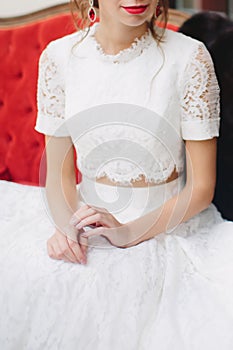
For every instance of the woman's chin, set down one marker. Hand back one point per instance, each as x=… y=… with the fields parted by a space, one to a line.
x=134 y=22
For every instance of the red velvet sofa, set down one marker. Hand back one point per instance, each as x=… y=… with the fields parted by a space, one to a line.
x=22 y=41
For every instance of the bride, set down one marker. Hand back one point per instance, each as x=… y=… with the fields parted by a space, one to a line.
x=135 y=256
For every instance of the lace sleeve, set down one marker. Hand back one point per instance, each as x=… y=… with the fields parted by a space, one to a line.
x=50 y=96
x=200 y=98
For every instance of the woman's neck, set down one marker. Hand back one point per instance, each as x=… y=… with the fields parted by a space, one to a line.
x=116 y=37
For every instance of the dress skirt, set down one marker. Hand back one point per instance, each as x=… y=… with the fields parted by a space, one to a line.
x=172 y=292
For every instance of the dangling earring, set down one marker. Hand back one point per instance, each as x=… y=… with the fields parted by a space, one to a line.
x=91 y=11
x=158 y=10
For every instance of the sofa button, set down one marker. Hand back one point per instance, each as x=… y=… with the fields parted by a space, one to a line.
x=19 y=75
x=35 y=144
x=28 y=109
x=8 y=138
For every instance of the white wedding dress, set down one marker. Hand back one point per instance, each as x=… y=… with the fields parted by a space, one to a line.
x=174 y=291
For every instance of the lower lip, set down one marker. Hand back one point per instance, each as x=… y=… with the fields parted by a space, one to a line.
x=135 y=10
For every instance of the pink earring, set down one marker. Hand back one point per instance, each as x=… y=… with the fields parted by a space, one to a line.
x=91 y=11
x=158 y=10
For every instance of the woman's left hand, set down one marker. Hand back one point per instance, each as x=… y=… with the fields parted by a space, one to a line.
x=106 y=225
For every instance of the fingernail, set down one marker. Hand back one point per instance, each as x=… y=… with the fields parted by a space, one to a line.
x=83 y=262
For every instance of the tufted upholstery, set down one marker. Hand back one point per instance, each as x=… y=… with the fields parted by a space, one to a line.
x=21 y=146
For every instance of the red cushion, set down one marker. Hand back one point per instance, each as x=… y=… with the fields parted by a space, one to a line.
x=21 y=146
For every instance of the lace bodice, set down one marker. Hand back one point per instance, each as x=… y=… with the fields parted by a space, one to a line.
x=128 y=113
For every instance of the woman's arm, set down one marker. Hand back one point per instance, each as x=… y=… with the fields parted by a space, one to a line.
x=196 y=195
x=62 y=198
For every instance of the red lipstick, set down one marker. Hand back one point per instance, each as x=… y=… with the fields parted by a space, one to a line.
x=135 y=10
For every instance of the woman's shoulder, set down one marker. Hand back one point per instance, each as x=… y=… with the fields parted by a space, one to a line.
x=62 y=47
x=180 y=45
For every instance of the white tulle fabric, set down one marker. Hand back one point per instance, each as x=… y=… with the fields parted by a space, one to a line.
x=175 y=79
x=172 y=291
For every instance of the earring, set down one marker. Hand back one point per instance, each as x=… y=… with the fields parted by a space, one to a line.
x=91 y=11
x=158 y=10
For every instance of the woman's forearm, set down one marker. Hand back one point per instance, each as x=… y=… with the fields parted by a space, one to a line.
x=178 y=209
x=62 y=201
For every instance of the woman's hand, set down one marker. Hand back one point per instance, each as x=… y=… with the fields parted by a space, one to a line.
x=117 y=236
x=60 y=247
x=103 y=223
x=92 y=215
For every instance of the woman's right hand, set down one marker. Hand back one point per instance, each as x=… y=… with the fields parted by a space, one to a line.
x=60 y=247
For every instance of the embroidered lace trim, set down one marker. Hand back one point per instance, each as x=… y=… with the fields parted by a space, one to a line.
x=136 y=48
x=201 y=91
x=51 y=93
x=98 y=155
x=127 y=174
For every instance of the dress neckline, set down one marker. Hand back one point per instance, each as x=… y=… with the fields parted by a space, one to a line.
x=138 y=46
